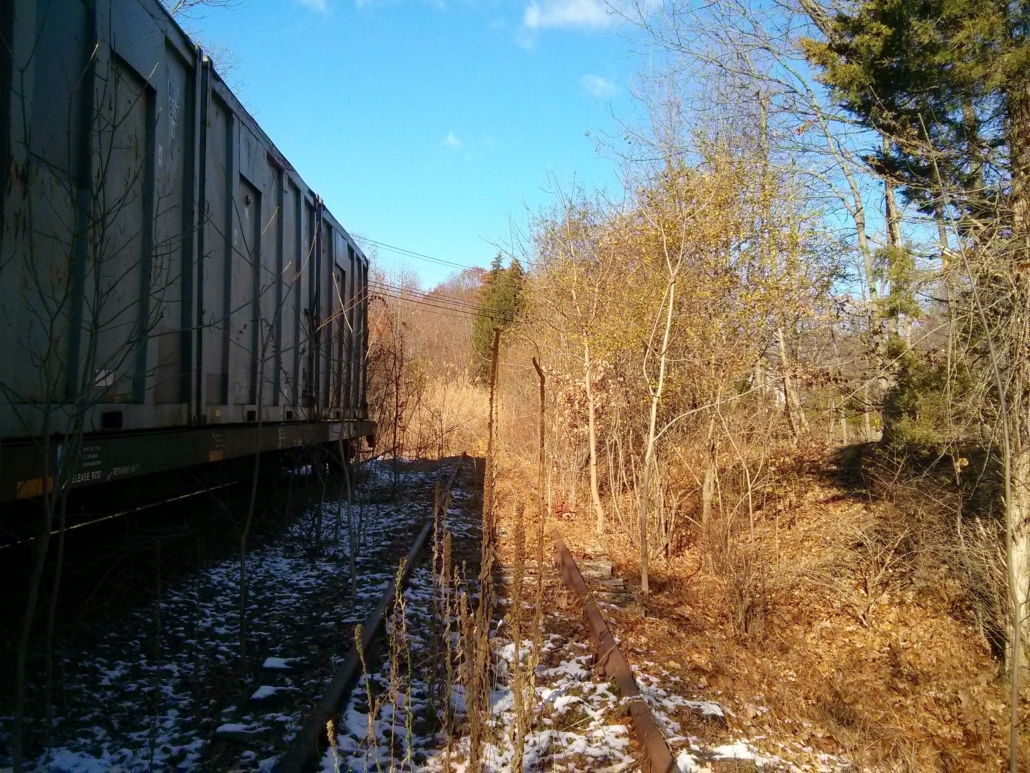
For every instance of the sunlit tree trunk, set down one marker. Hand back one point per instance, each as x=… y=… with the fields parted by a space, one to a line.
x=595 y=493
x=708 y=485
x=792 y=400
x=652 y=425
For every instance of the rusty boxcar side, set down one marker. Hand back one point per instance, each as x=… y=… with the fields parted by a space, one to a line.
x=167 y=279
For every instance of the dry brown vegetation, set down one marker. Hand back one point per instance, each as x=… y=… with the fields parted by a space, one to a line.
x=839 y=627
x=846 y=600
x=421 y=391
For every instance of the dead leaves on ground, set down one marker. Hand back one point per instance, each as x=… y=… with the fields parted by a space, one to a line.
x=903 y=686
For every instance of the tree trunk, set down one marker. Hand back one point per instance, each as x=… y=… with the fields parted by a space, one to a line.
x=542 y=450
x=35 y=578
x=1018 y=334
x=595 y=494
x=792 y=400
x=893 y=215
x=792 y=403
x=708 y=486
x=351 y=550
x=649 y=453
x=246 y=524
x=396 y=414
x=867 y=425
x=54 y=596
x=156 y=686
x=1018 y=512
x=488 y=477
x=899 y=324
x=1020 y=547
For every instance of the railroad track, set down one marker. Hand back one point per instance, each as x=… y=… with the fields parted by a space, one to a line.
x=313 y=740
x=293 y=672
x=593 y=584
x=165 y=690
x=614 y=665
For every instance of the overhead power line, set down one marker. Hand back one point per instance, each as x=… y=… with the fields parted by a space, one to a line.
x=419 y=302
x=442 y=310
x=436 y=310
x=432 y=303
x=428 y=295
x=410 y=253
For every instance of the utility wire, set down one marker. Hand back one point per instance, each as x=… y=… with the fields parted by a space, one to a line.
x=410 y=253
x=438 y=312
x=429 y=296
x=450 y=310
x=420 y=295
x=443 y=310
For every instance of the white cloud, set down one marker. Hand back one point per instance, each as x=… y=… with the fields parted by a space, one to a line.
x=566 y=13
x=598 y=86
x=315 y=5
x=452 y=141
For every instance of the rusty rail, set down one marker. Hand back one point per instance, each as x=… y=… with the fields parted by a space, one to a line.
x=610 y=658
x=312 y=740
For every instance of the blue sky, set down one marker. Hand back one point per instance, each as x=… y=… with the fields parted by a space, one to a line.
x=432 y=126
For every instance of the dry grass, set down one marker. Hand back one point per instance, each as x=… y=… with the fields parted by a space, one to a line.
x=849 y=619
x=448 y=418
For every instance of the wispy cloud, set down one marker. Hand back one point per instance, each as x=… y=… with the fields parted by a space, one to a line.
x=598 y=86
x=315 y=5
x=549 y=14
x=451 y=141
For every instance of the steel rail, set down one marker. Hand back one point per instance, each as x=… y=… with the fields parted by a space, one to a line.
x=312 y=739
x=610 y=658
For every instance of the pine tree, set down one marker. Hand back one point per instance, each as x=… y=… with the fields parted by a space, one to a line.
x=944 y=81
x=499 y=308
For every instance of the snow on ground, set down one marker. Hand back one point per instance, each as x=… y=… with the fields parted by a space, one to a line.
x=579 y=722
x=129 y=707
x=128 y=704
x=662 y=693
x=387 y=722
x=393 y=733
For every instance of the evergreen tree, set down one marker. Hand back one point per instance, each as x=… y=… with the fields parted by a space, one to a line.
x=499 y=307
x=944 y=81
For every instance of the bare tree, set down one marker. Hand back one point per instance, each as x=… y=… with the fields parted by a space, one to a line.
x=728 y=56
x=187 y=8
x=576 y=271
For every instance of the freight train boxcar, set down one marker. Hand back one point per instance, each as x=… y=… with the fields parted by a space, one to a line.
x=167 y=280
